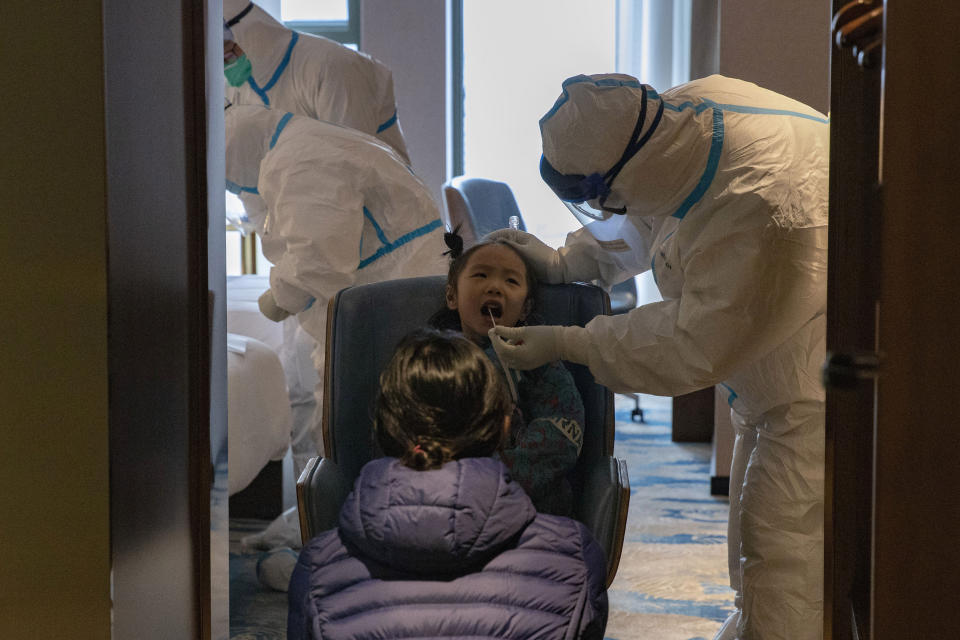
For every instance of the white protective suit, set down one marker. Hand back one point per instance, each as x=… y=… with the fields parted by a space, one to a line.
x=340 y=208
x=727 y=202
x=312 y=76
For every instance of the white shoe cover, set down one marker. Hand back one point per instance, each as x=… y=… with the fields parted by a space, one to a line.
x=275 y=567
x=284 y=531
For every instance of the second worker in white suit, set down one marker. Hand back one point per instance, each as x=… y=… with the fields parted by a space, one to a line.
x=719 y=187
x=270 y=65
x=308 y=75
x=340 y=208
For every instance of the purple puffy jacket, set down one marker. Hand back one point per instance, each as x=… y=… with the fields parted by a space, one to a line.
x=452 y=553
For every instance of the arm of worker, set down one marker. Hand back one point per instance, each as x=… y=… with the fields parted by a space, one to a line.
x=583 y=258
x=359 y=94
x=317 y=212
x=740 y=299
x=549 y=264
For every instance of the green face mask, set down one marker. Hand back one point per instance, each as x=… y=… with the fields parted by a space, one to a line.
x=238 y=71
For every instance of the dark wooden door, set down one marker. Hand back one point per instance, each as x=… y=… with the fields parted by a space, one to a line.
x=852 y=297
x=893 y=436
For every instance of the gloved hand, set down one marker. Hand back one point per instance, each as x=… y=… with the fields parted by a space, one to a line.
x=542 y=257
x=569 y=264
x=269 y=307
x=532 y=347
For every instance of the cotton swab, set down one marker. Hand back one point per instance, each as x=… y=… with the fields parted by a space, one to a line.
x=506 y=369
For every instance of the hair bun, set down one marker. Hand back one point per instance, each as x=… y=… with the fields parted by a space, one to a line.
x=427 y=454
x=454 y=241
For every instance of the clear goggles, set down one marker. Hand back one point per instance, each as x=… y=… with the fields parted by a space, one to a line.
x=585 y=195
x=586 y=212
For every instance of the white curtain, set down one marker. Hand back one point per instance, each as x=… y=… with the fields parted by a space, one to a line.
x=653 y=45
x=653 y=41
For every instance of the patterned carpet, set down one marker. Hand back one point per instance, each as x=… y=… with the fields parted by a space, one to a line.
x=672 y=582
x=672 y=579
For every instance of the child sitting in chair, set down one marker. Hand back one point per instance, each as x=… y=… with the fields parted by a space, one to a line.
x=436 y=540
x=491 y=283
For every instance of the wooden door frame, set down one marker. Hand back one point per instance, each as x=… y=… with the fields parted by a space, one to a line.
x=916 y=558
x=160 y=319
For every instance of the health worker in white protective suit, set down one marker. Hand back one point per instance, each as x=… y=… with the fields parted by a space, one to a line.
x=267 y=64
x=719 y=187
x=340 y=208
x=270 y=65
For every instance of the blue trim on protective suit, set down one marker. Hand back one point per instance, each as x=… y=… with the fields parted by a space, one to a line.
x=280 y=126
x=605 y=82
x=376 y=227
x=716 y=144
x=697 y=108
x=713 y=161
x=733 y=394
x=402 y=240
x=736 y=108
x=233 y=187
x=276 y=74
x=392 y=120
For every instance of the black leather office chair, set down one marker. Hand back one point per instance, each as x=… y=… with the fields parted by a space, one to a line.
x=359 y=346
x=480 y=205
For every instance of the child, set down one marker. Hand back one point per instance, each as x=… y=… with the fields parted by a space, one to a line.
x=436 y=540
x=488 y=283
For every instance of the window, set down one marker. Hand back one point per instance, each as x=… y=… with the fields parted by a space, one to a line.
x=334 y=19
x=515 y=57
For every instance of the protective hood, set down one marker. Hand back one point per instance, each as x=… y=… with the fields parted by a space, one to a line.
x=262 y=38
x=250 y=133
x=441 y=522
x=598 y=118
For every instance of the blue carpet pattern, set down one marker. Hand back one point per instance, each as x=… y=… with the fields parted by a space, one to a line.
x=256 y=612
x=672 y=580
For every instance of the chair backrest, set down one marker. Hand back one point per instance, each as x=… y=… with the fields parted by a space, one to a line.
x=366 y=322
x=479 y=206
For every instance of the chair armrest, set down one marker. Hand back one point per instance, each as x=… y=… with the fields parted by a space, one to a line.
x=602 y=506
x=321 y=491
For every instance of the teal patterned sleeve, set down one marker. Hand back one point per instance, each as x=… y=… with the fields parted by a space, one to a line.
x=546 y=436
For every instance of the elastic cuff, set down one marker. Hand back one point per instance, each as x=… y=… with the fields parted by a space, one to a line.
x=575 y=345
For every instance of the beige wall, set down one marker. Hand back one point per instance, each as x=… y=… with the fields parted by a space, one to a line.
x=413 y=43
x=54 y=483
x=783 y=46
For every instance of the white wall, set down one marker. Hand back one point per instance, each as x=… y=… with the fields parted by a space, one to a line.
x=410 y=38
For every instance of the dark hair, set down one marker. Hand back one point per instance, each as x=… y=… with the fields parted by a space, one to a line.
x=447 y=318
x=440 y=399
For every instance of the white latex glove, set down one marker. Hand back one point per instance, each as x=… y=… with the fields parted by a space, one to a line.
x=270 y=308
x=532 y=347
x=544 y=259
x=568 y=264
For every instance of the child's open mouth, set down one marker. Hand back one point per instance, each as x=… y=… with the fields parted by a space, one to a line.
x=492 y=309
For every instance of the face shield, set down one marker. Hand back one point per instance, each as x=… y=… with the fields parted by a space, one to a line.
x=591 y=211
x=586 y=196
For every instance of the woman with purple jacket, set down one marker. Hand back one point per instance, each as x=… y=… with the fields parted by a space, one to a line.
x=436 y=539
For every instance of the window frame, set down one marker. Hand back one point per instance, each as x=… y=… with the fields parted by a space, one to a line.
x=343 y=31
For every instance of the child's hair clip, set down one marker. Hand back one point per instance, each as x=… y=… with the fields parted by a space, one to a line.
x=454 y=241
